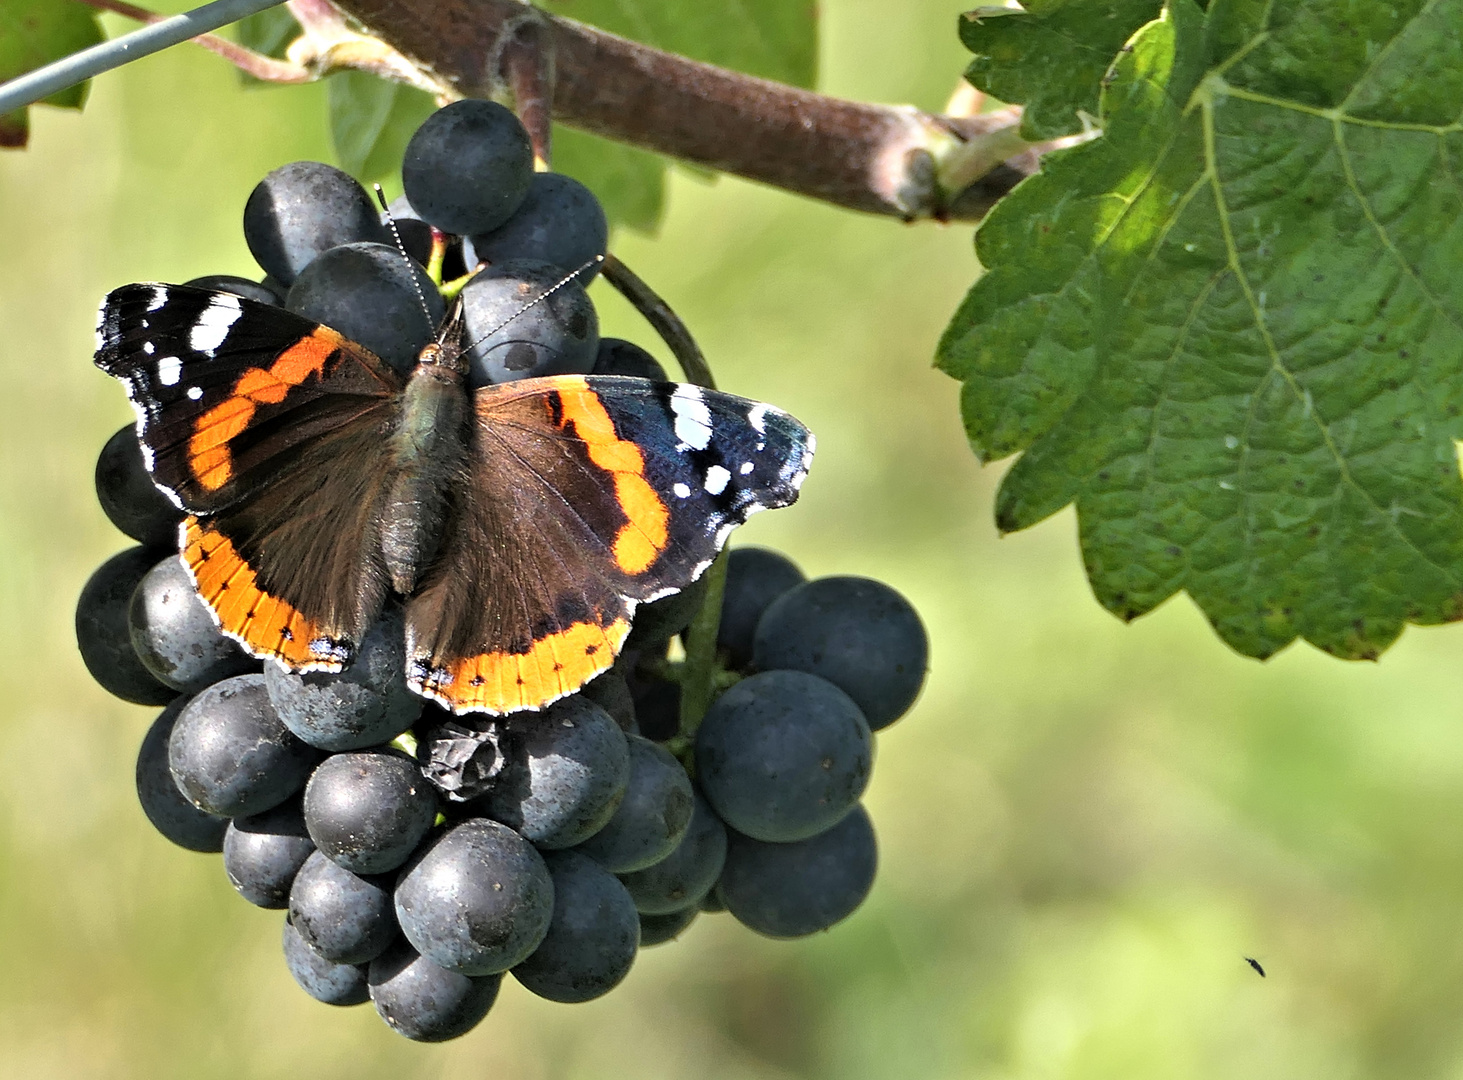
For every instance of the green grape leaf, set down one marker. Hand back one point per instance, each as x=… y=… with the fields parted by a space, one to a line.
x=371 y=121
x=1051 y=57
x=34 y=33
x=1231 y=329
x=776 y=39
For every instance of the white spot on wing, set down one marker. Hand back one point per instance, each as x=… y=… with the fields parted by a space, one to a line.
x=682 y=491
x=758 y=417
x=717 y=479
x=159 y=298
x=693 y=418
x=148 y=348
x=169 y=368
x=194 y=393
x=746 y=468
x=212 y=327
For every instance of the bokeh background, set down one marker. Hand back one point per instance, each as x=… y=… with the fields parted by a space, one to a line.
x=1084 y=826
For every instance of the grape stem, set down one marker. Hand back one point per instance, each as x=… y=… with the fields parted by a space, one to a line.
x=527 y=62
x=700 y=671
x=891 y=160
x=663 y=318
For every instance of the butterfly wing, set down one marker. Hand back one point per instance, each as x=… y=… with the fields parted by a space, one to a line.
x=272 y=431
x=294 y=571
x=588 y=496
x=227 y=389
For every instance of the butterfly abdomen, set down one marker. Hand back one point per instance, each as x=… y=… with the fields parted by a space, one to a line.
x=428 y=453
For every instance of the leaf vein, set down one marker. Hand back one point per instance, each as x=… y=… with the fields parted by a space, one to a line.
x=1277 y=364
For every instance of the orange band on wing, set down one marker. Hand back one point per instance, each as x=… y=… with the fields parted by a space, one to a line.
x=266 y=625
x=208 y=449
x=643 y=537
x=505 y=682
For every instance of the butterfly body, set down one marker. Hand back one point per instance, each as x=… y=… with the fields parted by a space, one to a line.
x=519 y=524
x=429 y=451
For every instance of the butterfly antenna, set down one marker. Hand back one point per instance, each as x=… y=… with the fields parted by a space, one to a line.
x=396 y=235
x=539 y=299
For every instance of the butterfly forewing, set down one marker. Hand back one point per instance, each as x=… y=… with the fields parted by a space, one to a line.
x=226 y=389
x=588 y=495
x=273 y=429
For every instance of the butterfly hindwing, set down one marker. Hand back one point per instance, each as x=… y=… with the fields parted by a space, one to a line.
x=588 y=496
x=227 y=389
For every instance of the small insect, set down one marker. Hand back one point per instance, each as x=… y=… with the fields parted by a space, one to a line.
x=1256 y=965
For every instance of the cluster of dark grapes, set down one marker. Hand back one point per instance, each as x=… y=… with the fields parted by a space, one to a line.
x=421 y=854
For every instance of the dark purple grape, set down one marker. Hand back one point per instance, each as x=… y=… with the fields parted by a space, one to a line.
x=617 y=356
x=367 y=704
x=101 y=630
x=657 y=708
x=130 y=499
x=468 y=167
x=859 y=634
x=592 y=938
x=416 y=238
x=611 y=693
x=334 y=984
x=478 y=900
x=346 y=918
x=559 y=221
x=422 y=1001
x=782 y=755
x=239 y=286
x=367 y=811
x=175 y=635
x=365 y=292
x=416 y=234
x=653 y=815
x=303 y=209
x=754 y=578
x=170 y=813
x=510 y=341
x=230 y=754
x=658 y=929
x=564 y=773
x=688 y=872
x=790 y=890
x=264 y=852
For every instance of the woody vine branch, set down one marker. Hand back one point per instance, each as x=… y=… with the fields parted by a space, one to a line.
x=891 y=160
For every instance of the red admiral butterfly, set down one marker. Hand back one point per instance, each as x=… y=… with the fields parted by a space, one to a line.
x=520 y=523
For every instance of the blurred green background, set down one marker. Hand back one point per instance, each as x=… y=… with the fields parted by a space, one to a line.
x=1084 y=827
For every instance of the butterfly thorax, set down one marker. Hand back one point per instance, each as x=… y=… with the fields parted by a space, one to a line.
x=429 y=449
